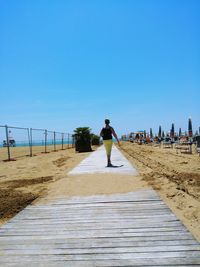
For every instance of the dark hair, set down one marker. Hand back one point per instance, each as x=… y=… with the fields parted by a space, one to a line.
x=107 y=121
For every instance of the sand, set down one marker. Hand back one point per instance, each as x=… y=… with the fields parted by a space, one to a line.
x=176 y=177
x=28 y=178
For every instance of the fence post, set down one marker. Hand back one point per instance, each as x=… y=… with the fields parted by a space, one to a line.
x=68 y=139
x=7 y=140
x=190 y=148
x=73 y=141
x=45 y=141
x=30 y=137
x=62 y=140
x=54 y=140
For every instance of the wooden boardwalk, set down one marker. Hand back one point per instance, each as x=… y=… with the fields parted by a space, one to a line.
x=133 y=229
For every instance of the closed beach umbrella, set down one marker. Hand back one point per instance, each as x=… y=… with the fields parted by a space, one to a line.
x=190 y=127
x=159 y=132
x=151 y=133
x=145 y=134
x=179 y=134
x=172 y=131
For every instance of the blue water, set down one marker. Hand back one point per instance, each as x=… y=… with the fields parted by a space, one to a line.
x=39 y=143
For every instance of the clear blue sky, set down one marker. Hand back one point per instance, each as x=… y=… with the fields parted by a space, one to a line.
x=65 y=64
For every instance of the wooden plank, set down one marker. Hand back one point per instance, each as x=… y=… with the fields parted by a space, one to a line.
x=94 y=230
x=99 y=206
x=64 y=221
x=60 y=208
x=45 y=221
x=79 y=200
x=103 y=240
x=99 y=212
x=50 y=229
x=66 y=217
x=96 y=214
x=64 y=230
x=134 y=217
x=97 y=264
x=100 y=250
x=131 y=227
x=114 y=263
x=96 y=226
x=163 y=211
x=143 y=218
x=92 y=234
x=194 y=256
x=110 y=243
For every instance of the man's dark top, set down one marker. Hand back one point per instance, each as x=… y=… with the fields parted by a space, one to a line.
x=107 y=133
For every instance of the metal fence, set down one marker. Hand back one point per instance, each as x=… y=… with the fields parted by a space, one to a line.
x=18 y=142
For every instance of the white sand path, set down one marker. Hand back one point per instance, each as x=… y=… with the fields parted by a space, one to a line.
x=96 y=163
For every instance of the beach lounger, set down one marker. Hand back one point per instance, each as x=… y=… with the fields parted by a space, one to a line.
x=198 y=144
x=184 y=147
x=167 y=144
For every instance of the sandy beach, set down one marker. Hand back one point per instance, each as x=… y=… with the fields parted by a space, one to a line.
x=176 y=178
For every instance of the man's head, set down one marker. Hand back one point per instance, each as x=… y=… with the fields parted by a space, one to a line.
x=107 y=121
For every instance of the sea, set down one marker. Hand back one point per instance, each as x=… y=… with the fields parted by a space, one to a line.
x=38 y=143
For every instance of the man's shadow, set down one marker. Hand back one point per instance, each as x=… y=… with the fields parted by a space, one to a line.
x=115 y=166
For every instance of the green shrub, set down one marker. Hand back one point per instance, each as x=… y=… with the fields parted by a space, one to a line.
x=95 y=140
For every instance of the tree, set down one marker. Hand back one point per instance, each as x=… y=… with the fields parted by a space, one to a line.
x=82 y=139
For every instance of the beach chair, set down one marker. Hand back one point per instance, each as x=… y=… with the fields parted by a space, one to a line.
x=198 y=144
x=167 y=143
x=184 y=147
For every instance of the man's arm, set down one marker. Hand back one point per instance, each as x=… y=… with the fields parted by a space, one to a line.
x=101 y=133
x=115 y=135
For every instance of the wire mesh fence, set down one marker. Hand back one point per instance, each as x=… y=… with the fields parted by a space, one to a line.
x=18 y=142
x=3 y=148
